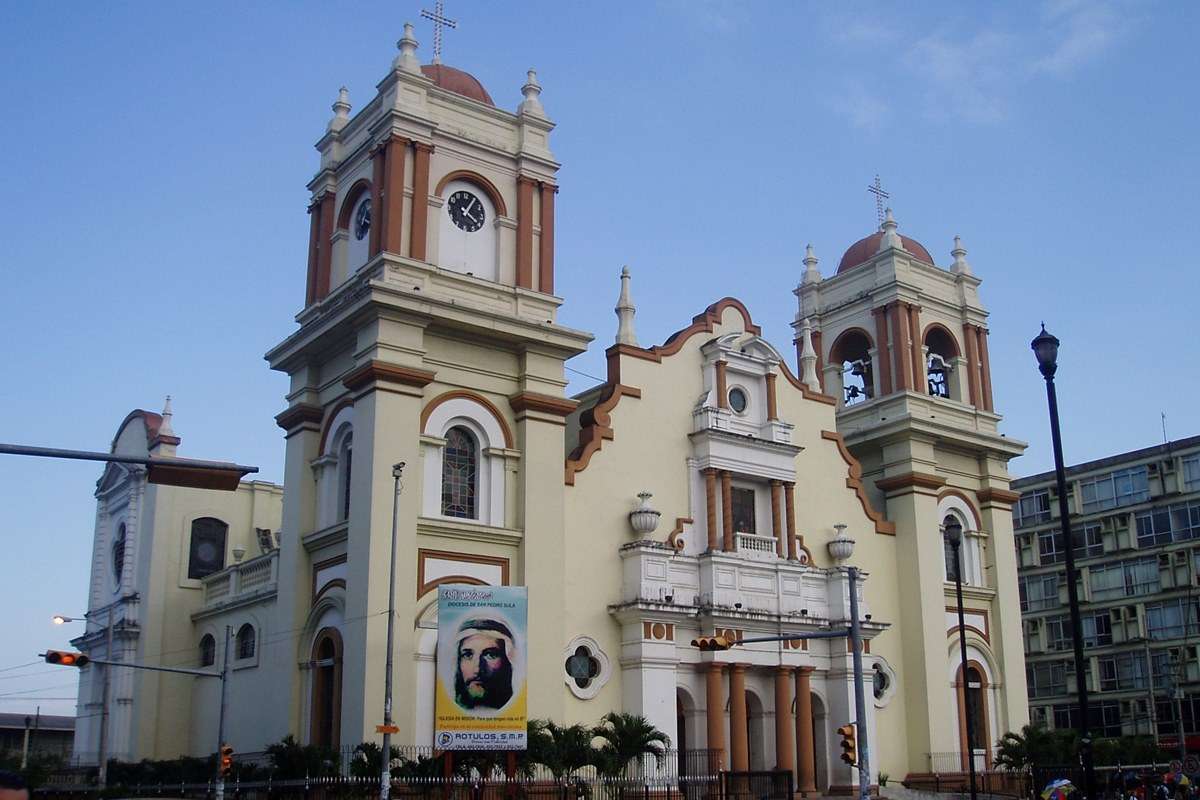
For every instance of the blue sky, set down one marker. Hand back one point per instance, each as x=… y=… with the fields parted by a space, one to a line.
x=154 y=234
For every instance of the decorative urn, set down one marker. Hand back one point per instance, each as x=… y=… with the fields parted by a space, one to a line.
x=841 y=547
x=644 y=519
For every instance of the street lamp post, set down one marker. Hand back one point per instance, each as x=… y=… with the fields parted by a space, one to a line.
x=385 y=777
x=1045 y=347
x=954 y=535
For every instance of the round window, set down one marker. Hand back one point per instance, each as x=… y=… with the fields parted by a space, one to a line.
x=737 y=400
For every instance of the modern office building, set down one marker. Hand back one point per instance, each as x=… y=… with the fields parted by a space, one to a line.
x=1136 y=522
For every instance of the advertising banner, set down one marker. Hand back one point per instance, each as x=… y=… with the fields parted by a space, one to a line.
x=481 y=658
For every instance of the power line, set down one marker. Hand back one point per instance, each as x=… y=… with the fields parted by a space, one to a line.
x=19 y=666
x=584 y=374
x=39 y=689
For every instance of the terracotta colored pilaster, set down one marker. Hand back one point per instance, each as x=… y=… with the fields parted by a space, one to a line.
x=806 y=756
x=785 y=743
x=525 y=232
x=985 y=370
x=727 y=543
x=972 y=365
x=325 y=246
x=918 y=354
x=900 y=348
x=314 y=232
x=772 y=403
x=722 y=386
x=714 y=714
x=546 y=243
x=393 y=195
x=739 y=747
x=710 y=503
x=420 y=207
x=378 y=173
x=777 y=518
x=789 y=498
x=881 y=347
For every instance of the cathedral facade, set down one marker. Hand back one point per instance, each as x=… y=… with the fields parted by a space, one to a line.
x=712 y=483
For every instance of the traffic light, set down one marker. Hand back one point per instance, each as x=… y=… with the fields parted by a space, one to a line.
x=712 y=643
x=65 y=658
x=226 y=759
x=849 y=743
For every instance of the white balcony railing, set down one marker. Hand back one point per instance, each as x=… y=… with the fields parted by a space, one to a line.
x=756 y=546
x=236 y=580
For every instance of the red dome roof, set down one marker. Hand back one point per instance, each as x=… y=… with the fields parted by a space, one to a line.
x=457 y=81
x=864 y=249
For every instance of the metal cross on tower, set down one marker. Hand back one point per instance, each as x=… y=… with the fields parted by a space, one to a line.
x=439 y=19
x=880 y=195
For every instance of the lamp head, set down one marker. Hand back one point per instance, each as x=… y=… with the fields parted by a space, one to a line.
x=59 y=619
x=953 y=530
x=1045 y=347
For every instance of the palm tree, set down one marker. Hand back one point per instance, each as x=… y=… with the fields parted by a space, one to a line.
x=562 y=750
x=625 y=738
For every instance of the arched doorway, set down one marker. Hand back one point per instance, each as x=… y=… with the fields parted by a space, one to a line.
x=820 y=743
x=756 y=727
x=973 y=696
x=325 y=729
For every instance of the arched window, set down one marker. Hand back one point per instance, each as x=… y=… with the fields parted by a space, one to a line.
x=345 y=456
x=467 y=230
x=352 y=239
x=852 y=353
x=118 y=555
x=460 y=468
x=941 y=354
x=326 y=689
x=206 y=554
x=208 y=650
x=246 y=641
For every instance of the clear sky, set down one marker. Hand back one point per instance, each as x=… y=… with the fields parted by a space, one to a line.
x=154 y=233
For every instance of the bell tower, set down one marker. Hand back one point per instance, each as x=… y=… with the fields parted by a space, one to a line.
x=901 y=343
x=428 y=338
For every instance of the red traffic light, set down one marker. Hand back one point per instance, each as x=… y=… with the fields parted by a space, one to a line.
x=226 y=757
x=65 y=658
x=712 y=643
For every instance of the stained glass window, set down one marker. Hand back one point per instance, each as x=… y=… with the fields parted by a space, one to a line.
x=460 y=467
x=118 y=555
x=207 y=552
x=743 y=510
x=582 y=667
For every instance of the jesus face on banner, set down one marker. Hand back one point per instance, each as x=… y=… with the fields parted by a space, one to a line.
x=483 y=677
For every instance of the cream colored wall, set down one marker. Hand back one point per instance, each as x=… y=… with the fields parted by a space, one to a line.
x=163 y=700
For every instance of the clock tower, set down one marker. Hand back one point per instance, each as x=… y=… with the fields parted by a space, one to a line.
x=428 y=338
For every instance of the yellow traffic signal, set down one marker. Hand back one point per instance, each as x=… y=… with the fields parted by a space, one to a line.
x=65 y=658
x=849 y=736
x=226 y=759
x=712 y=643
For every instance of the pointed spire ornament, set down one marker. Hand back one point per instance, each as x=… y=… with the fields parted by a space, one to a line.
x=341 y=110
x=811 y=273
x=625 y=312
x=532 y=103
x=808 y=358
x=165 y=428
x=960 y=265
x=890 y=237
x=407 y=61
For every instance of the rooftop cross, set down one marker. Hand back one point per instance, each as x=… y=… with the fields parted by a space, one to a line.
x=880 y=195
x=438 y=17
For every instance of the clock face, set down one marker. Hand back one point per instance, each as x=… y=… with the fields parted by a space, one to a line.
x=362 y=219
x=466 y=211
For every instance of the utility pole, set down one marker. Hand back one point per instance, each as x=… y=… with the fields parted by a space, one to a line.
x=385 y=775
x=860 y=702
x=25 y=744
x=220 y=786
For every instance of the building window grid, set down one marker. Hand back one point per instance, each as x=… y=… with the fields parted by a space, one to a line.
x=1105 y=717
x=1191 y=472
x=1126 y=578
x=1165 y=709
x=1176 y=523
x=1052 y=547
x=1046 y=678
x=1166 y=620
x=1122 y=671
x=1115 y=489
x=1032 y=508
x=1039 y=592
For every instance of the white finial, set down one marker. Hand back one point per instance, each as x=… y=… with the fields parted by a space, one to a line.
x=625 y=312
x=532 y=104
x=165 y=428
x=960 y=266
x=341 y=110
x=811 y=273
x=407 y=60
x=808 y=358
x=890 y=237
